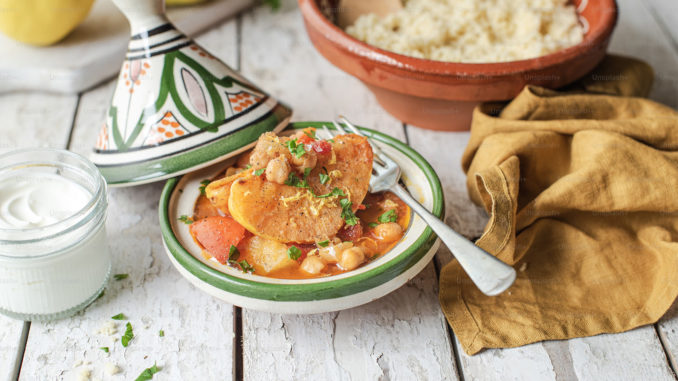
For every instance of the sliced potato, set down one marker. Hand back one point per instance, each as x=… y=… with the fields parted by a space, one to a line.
x=269 y=255
x=289 y=214
x=217 y=191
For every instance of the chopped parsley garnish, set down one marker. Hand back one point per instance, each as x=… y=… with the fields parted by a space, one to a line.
x=120 y=276
x=203 y=185
x=346 y=212
x=148 y=373
x=259 y=172
x=161 y=333
x=119 y=317
x=295 y=181
x=324 y=243
x=105 y=349
x=307 y=171
x=373 y=224
x=330 y=140
x=233 y=253
x=128 y=336
x=294 y=253
x=296 y=149
x=248 y=166
x=246 y=267
x=324 y=178
x=186 y=219
x=388 y=216
x=334 y=192
x=310 y=134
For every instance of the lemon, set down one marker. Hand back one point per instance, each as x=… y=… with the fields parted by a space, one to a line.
x=41 y=22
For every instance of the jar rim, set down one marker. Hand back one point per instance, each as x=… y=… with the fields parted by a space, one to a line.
x=72 y=222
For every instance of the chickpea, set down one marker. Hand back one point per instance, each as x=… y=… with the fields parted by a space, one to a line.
x=313 y=264
x=351 y=258
x=309 y=160
x=368 y=246
x=389 y=231
x=278 y=170
x=332 y=253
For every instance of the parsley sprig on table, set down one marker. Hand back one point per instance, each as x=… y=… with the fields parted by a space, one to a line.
x=128 y=336
x=148 y=373
x=274 y=4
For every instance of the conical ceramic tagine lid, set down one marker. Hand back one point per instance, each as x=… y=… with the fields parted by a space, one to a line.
x=176 y=108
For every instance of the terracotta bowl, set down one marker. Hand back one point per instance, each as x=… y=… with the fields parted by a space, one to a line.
x=441 y=95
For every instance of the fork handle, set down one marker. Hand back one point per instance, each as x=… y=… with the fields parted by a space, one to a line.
x=489 y=274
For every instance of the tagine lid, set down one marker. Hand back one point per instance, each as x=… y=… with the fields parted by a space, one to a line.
x=176 y=108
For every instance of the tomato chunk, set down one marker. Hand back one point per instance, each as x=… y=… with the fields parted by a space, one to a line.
x=304 y=139
x=322 y=147
x=217 y=234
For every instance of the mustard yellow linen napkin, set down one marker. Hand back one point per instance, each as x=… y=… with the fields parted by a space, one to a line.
x=582 y=191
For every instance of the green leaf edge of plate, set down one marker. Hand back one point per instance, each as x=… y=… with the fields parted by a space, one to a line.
x=149 y=169
x=312 y=291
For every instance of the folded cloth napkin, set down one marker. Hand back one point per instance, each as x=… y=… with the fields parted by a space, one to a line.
x=582 y=191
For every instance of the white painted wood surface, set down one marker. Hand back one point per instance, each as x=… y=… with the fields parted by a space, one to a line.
x=198 y=341
x=96 y=48
x=632 y=355
x=29 y=120
x=402 y=336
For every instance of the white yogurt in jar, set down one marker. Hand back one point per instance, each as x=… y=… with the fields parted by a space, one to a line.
x=36 y=201
x=54 y=256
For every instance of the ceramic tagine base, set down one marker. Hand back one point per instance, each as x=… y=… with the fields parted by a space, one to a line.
x=176 y=108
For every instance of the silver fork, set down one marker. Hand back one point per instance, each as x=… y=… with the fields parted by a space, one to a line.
x=489 y=274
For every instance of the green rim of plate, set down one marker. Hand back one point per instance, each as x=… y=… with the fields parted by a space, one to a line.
x=310 y=291
x=147 y=170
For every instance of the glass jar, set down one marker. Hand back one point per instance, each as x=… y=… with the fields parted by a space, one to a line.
x=52 y=269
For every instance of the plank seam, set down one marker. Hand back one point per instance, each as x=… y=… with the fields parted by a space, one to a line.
x=75 y=116
x=669 y=358
x=27 y=324
x=437 y=266
x=22 y=350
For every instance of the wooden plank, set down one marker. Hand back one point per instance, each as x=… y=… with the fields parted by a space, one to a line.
x=29 y=120
x=649 y=30
x=668 y=333
x=639 y=35
x=664 y=12
x=401 y=336
x=198 y=330
x=635 y=354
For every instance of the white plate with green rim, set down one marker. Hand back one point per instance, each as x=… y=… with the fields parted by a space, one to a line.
x=333 y=293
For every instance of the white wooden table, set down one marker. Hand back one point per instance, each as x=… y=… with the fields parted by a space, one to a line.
x=402 y=336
